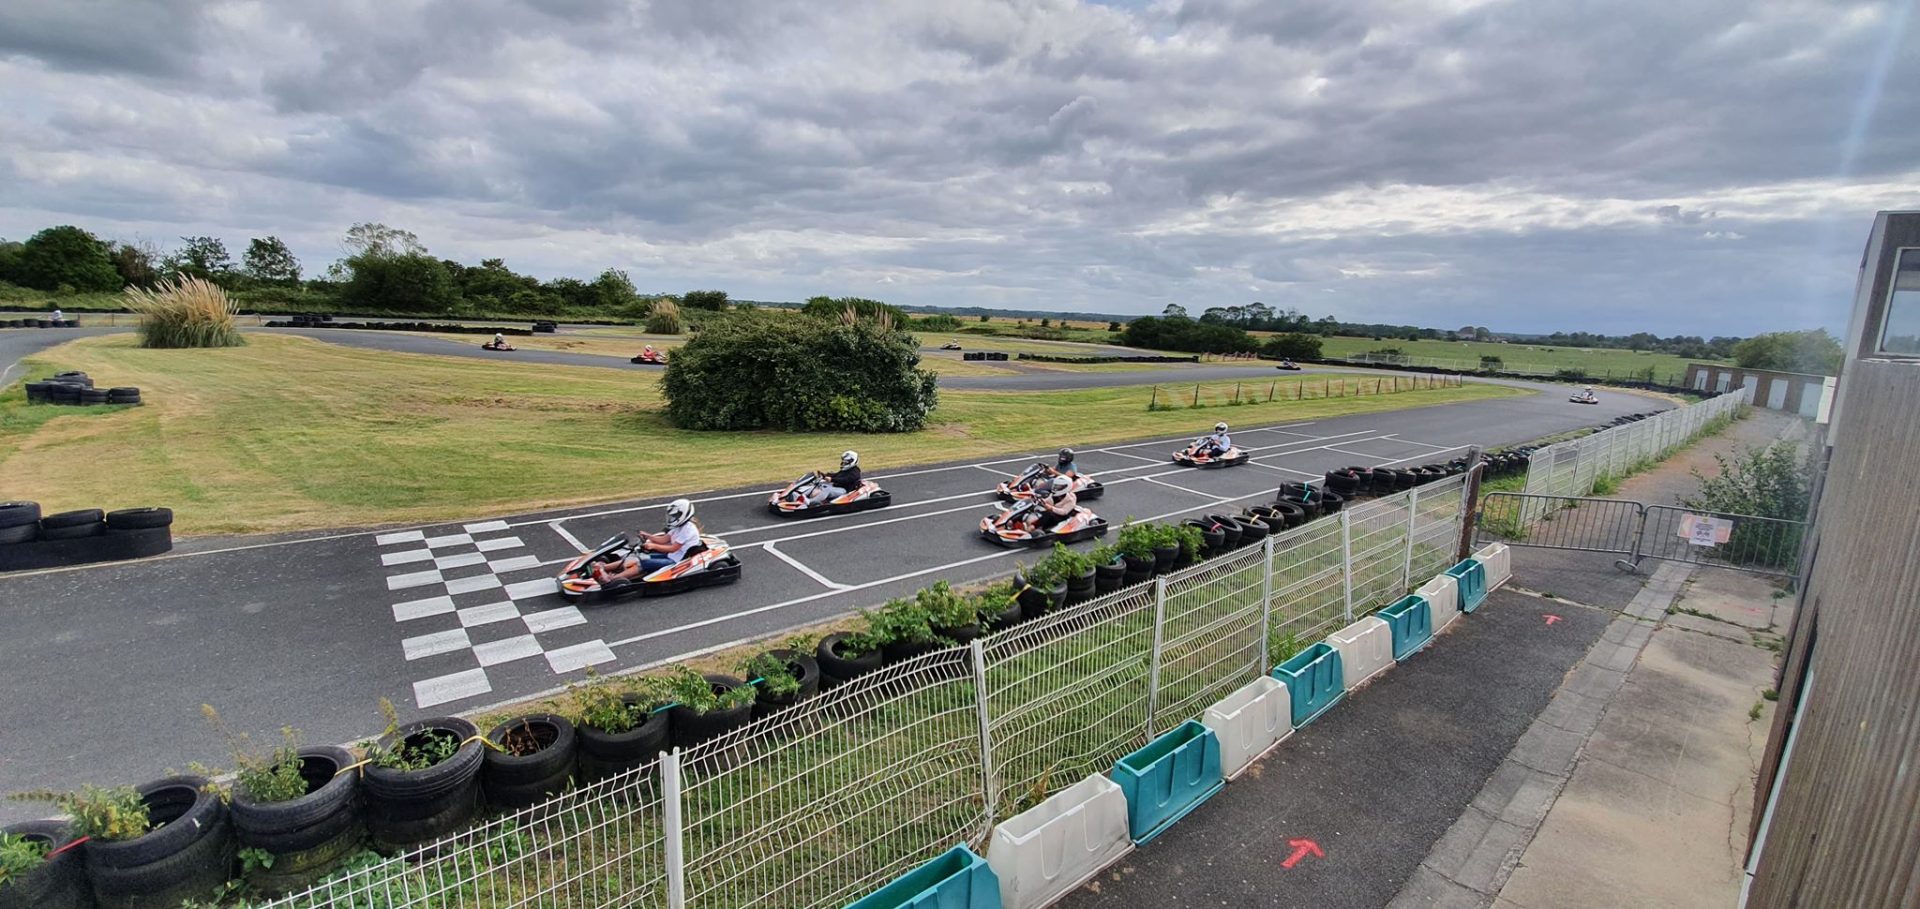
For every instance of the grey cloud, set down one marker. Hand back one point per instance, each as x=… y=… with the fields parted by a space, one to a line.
x=155 y=38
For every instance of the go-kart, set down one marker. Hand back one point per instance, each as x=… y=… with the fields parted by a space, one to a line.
x=950 y=345
x=655 y=359
x=1288 y=364
x=1583 y=397
x=500 y=346
x=1009 y=526
x=1194 y=456
x=1020 y=488
x=792 y=502
x=707 y=565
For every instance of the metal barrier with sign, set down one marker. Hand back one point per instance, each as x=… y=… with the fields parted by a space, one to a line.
x=1640 y=532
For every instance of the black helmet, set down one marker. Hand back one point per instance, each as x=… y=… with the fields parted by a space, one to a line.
x=1066 y=456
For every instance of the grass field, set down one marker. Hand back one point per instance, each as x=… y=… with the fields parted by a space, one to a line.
x=1522 y=357
x=290 y=433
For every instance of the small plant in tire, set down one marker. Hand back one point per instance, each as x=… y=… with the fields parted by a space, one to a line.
x=20 y=856
x=110 y=815
x=417 y=752
x=271 y=777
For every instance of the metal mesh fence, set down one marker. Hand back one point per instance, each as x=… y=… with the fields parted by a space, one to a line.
x=1574 y=467
x=818 y=804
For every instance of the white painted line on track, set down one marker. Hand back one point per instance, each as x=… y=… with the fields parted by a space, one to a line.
x=485 y=526
x=1204 y=495
x=454 y=687
x=1297 y=473
x=1122 y=454
x=488 y=614
x=803 y=569
x=570 y=538
x=551 y=619
x=579 y=656
x=506 y=650
x=404 y=536
x=420 y=609
x=434 y=644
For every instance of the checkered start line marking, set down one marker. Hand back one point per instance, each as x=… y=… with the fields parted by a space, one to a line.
x=480 y=614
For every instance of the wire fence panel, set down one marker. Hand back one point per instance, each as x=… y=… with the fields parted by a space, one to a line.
x=1067 y=695
x=1379 y=549
x=1210 y=637
x=1576 y=466
x=1761 y=545
x=600 y=845
x=1309 y=598
x=1436 y=528
x=1560 y=522
x=819 y=804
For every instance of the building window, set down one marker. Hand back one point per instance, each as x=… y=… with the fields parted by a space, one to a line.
x=1900 y=333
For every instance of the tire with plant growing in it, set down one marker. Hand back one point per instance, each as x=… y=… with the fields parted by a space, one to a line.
x=422 y=781
x=42 y=868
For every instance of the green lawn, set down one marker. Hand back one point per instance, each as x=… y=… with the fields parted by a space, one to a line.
x=290 y=433
x=1523 y=357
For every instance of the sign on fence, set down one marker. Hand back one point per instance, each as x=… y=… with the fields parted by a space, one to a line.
x=1700 y=530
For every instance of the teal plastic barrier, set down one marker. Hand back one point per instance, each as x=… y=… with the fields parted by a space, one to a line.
x=958 y=879
x=1168 y=778
x=1411 y=620
x=1472 y=577
x=1315 y=681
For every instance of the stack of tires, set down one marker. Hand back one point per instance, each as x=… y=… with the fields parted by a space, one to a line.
x=60 y=882
x=532 y=761
x=306 y=835
x=410 y=807
x=29 y=539
x=187 y=854
x=77 y=388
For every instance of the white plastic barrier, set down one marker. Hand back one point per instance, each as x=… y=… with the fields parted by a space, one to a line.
x=1250 y=721
x=1443 y=597
x=1499 y=562
x=1366 y=648
x=1052 y=848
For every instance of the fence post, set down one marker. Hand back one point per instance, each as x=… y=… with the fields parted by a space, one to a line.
x=1155 y=399
x=1346 y=561
x=988 y=785
x=1267 y=550
x=1470 y=502
x=1196 y=395
x=1270 y=389
x=1153 y=666
x=672 y=829
x=1413 y=524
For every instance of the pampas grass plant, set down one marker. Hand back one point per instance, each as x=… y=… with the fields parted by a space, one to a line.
x=665 y=317
x=184 y=312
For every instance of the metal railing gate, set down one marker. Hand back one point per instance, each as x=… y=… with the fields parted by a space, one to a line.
x=1639 y=531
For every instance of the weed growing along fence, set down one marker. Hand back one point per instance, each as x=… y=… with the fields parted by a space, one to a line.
x=818 y=804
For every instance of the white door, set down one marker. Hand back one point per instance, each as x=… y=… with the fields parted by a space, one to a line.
x=1723 y=380
x=1700 y=380
x=1777 y=393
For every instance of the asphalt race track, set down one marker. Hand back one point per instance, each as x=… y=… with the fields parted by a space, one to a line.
x=107 y=666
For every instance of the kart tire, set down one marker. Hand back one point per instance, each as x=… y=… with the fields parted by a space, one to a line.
x=308 y=838
x=555 y=735
x=72 y=518
x=1253 y=530
x=1080 y=587
x=1341 y=480
x=601 y=754
x=1108 y=578
x=1008 y=617
x=510 y=797
x=1331 y=502
x=91 y=396
x=23 y=533
x=902 y=651
x=293 y=871
x=1142 y=567
x=690 y=728
x=395 y=797
x=838 y=668
x=184 y=808
x=139 y=518
x=1229 y=530
x=201 y=866
x=805 y=670
x=295 y=825
x=1212 y=539
x=449 y=816
x=18 y=514
x=1291 y=515
x=59 y=883
x=1163 y=557
x=77 y=532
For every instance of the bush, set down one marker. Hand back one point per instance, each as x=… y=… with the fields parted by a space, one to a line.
x=1492 y=364
x=835 y=308
x=935 y=323
x=184 y=312
x=1771 y=482
x=1182 y=333
x=664 y=317
x=1136 y=541
x=714 y=300
x=1292 y=346
x=64 y=256
x=410 y=283
x=755 y=371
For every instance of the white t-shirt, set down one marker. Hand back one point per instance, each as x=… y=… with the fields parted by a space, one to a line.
x=688 y=536
x=1221 y=439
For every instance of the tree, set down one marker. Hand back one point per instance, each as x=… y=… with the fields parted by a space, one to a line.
x=374 y=238
x=66 y=256
x=614 y=292
x=1790 y=351
x=1174 y=311
x=1292 y=346
x=411 y=283
x=1482 y=334
x=863 y=308
x=759 y=371
x=138 y=263
x=202 y=257
x=269 y=261
x=715 y=300
x=1182 y=333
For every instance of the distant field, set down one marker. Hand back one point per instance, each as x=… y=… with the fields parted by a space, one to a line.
x=1523 y=357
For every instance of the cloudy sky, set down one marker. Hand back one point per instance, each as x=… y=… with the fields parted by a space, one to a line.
x=1697 y=166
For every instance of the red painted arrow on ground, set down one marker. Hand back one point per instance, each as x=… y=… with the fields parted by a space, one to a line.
x=1302 y=849
x=1551 y=618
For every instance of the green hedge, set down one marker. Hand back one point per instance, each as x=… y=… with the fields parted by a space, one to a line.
x=753 y=371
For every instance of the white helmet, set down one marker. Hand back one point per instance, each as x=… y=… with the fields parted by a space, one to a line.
x=679 y=512
x=849 y=458
x=648 y=348
x=1061 y=484
x=1220 y=426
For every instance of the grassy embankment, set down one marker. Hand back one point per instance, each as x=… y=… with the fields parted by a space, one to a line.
x=1523 y=357
x=289 y=433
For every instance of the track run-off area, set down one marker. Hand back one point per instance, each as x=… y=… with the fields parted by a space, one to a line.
x=110 y=664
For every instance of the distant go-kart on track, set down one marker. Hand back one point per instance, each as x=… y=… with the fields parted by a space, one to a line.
x=455 y=616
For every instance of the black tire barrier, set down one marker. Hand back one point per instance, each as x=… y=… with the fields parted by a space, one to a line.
x=411 y=807
x=316 y=322
x=512 y=781
x=1212 y=539
x=805 y=670
x=308 y=834
x=1254 y=529
x=838 y=668
x=59 y=883
x=1229 y=530
x=1164 y=556
x=1331 y=502
x=19 y=533
x=139 y=518
x=1291 y=514
x=73 y=531
x=902 y=651
x=1082 y=588
x=1049 y=358
x=1109 y=578
x=189 y=854
x=72 y=518
x=600 y=754
x=112 y=546
x=690 y=728
x=15 y=514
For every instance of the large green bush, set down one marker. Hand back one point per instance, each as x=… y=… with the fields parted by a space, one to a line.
x=756 y=371
x=64 y=256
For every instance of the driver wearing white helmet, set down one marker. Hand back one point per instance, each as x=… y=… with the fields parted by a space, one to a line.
x=1057 y=503
x=1218 y=443
x=839 y=483
x=657 y=550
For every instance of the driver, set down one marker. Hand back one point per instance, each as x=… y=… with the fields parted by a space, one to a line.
x=1218 y=443
x=656 y=550
x=842 y=481
x=1058 y=505
x=499 y=340
x=647 y=353
x=1066 y=467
